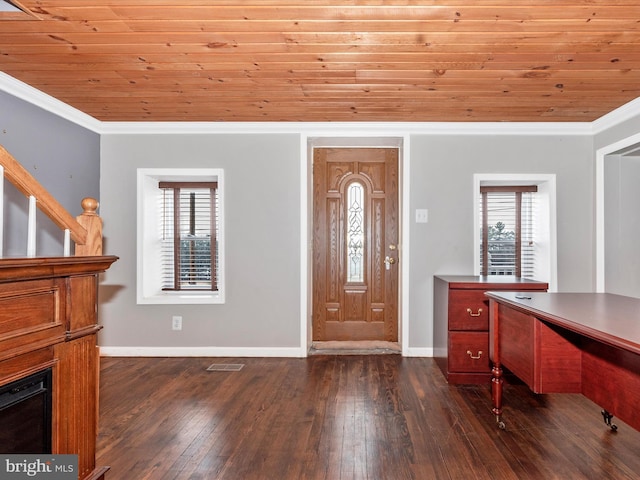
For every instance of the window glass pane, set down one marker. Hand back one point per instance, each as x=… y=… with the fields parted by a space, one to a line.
x=502 y=225
x=528 y=233
x=193 y=259
x=501 y=221
x=195 y=238
x=166 y=238
x=355 y=233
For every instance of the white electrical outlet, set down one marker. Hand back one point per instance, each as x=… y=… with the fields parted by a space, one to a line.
x=176 y=322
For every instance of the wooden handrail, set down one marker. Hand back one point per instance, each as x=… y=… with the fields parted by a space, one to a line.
x=85 y=230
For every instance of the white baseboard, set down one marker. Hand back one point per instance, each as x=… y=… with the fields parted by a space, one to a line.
x=440 y=352
x=227 y=352
x=200 y=352
x=417 y=352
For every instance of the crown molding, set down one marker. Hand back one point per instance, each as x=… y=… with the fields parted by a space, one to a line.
x=46 y=102
x=343 y=129
x=617 y=116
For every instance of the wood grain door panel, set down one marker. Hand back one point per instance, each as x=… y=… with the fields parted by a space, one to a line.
x=364 y=308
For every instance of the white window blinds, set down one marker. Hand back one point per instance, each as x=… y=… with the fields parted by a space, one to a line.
x=188 y=236
x=508 y=233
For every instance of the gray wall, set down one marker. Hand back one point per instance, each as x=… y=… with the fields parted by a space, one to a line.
x=62 y=156
x=622 y=224
x=263 y=186
x=262 y=237
x=442 y=169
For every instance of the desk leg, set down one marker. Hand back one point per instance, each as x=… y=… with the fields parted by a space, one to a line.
x=497 y=383
x=494 y=353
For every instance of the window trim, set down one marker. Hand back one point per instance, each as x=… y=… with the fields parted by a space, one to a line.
x=149 y=287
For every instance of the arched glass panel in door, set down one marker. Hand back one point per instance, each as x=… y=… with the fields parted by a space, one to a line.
x=355 y=232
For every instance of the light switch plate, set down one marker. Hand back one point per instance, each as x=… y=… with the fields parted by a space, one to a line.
x=422 y=215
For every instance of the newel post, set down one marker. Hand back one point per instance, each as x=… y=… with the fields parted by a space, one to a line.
x=92 y=223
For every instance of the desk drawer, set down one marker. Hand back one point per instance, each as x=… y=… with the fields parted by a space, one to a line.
x=468 y=310
x=469 y=352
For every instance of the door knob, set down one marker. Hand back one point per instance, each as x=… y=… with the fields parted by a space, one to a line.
x=389 y=261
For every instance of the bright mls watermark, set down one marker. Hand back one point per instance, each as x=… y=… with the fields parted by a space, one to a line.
x=40 y=466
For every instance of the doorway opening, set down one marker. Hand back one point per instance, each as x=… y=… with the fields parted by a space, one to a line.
x=355 y=275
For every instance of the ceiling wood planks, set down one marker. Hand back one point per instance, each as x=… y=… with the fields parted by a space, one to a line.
x=346 y=60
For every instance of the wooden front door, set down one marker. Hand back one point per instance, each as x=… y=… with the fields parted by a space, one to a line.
x=355 y=244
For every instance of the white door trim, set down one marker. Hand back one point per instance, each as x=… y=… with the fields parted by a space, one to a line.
x=308 y=141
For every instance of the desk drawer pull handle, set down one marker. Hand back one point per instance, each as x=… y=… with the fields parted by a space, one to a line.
x=476 y=357
x=471 y=314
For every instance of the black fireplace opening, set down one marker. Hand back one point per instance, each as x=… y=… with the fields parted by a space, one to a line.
x=25 y=414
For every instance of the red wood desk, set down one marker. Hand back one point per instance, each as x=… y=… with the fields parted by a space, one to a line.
x=585 y=343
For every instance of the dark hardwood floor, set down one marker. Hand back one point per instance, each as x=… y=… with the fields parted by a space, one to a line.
x=341 y=417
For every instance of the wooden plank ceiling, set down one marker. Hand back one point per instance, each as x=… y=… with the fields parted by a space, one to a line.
x=340 y=60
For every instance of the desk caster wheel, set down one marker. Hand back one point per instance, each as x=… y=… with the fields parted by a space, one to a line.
x=607 y=420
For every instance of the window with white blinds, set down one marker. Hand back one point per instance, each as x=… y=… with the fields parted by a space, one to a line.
x=507 y=220
x=180 y=236
x=188 y=235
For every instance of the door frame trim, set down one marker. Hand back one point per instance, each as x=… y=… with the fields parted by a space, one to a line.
x=308 y=142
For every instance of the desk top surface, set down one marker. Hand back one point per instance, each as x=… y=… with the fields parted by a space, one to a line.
x=498 y=282
x=612 y=319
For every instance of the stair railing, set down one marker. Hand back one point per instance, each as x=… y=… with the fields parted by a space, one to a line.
x=84 y=230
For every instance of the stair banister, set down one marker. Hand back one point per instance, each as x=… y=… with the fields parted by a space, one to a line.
x=85 y=230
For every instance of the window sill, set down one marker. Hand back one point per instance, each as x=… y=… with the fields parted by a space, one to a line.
x=182 y=298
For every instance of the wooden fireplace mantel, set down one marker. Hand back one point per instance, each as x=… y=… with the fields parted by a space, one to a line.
x=48 y=319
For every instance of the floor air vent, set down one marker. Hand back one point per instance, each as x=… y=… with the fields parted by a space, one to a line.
x=225 y=367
